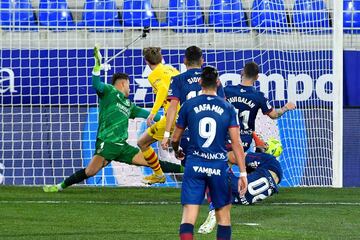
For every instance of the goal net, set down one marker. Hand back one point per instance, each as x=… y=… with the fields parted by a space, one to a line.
x=48 y=109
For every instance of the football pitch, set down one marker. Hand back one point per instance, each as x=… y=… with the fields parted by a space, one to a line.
x=155 y=213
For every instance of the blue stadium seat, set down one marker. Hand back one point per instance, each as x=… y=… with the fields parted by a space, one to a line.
x=55 y=14
x=100 y=15
x=17 y=16
x=352 y=16
x=269 y=16
x=227 y=16
x=311 y=16
x=186 y=16
x=139 y=13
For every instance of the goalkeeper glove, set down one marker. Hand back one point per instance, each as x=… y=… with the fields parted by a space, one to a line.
x=98 y=57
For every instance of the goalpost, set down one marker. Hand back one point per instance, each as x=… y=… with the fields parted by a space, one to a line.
x=48 y=109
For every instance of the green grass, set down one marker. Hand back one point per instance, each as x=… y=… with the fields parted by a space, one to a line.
x=112 y=213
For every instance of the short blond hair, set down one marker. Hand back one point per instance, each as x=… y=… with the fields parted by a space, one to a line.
x=152 y=55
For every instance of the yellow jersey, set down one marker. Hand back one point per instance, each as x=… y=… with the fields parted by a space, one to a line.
x=160 y=79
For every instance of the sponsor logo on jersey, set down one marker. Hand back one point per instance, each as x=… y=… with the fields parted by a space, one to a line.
x=242 y=90
x=207 y=170
x=124 y=109
x=210 y=156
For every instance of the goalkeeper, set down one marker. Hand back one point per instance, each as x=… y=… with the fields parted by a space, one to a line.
x=115 y=111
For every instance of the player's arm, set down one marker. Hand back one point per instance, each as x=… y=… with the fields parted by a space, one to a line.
x=97 y=84
x=162 y=91
x=273 y=113
x=175 y=142
x=173 y=97
x=96 y=81
x=170 y=118
x=276 y=113
x=181 y=124
x=138 y=112
x=238 y=150
x=239 y=154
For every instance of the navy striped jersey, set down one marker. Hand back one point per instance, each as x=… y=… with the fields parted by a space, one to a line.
x=247 y=102
x=186 y=85
x=208 y=119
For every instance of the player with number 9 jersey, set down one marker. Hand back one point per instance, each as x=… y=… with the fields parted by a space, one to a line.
x=208 y=118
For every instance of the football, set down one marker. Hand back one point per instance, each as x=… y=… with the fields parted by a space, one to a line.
x=274 y=147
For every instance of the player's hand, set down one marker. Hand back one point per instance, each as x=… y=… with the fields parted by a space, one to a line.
x=98 y=58
x=150 y=120
x=242 y=186
x=165 y=143
x=290 y=106
x=179 y=154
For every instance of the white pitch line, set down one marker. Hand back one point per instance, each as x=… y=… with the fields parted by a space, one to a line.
x=248 y=224
x=318 y=203
x=160 y=202
x=86 y=202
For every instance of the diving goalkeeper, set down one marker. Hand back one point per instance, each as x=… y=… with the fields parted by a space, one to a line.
x=115 y=111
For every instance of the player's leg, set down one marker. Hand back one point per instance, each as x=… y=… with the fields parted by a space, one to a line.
x=210 y=222
x=152 y=134
x=220 y=192
x=96 y=164
x=189 y=216
x=167 y=167
x=224 y=222
x=192 y=195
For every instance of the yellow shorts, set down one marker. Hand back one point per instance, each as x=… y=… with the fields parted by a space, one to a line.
x=157 y=130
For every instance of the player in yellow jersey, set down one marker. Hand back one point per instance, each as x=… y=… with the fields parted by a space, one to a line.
x=159 y=79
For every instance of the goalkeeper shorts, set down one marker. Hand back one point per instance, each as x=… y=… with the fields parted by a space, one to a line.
x=120 y=152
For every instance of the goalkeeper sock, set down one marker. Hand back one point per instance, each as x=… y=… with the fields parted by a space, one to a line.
x=223 y=232
x=77 y=177
x=153 y=161
x=169 y=167
x=186 y=231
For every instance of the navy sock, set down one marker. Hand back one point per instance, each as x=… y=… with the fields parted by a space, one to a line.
x=223 y=232
x=77 y=177
x=186 y=231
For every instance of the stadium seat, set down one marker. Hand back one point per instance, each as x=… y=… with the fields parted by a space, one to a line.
x=269 y=16
x=100 y=15
x=352 y=16
x=186 y=16
x=55 y=14
x=139 y=13
x=227 y=16
x=311 y=16
x=16 y=15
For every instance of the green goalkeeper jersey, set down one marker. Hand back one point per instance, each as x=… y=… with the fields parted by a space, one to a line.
x=114 y=112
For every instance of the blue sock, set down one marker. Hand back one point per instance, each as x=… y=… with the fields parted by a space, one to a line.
x=223 y=232
x=211 y=206
x=186 y=231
